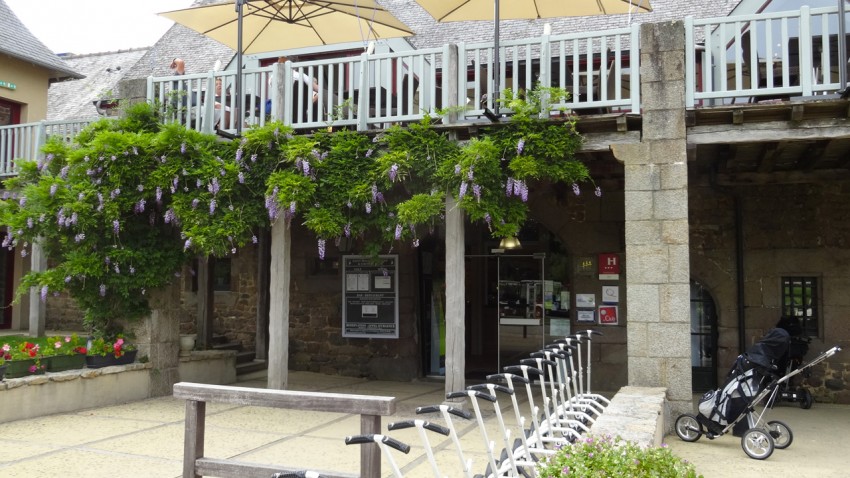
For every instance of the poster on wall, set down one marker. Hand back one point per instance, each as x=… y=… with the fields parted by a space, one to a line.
x=608 y=315
x=585 y=300
x=586 y=316
x=370 y=297
x=610 y=294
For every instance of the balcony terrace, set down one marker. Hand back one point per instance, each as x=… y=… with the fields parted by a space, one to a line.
x=775 y=73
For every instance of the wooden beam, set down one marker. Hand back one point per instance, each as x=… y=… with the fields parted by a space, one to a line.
x=264 y=248
x=599 y=142
x=782 y=177
x=769 y=157
x=769 y=131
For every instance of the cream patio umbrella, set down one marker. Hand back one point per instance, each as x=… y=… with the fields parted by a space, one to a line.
x=467 y=10
x=256 y=26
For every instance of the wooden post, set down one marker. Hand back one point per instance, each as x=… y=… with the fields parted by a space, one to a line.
x=206 y=303
x=455 y=297
x=193 y=438
x=278 y=364
x=263 y=281
x=370 y=454
x=38 y=263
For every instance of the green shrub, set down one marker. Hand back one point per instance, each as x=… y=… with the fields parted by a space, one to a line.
x=593 y=456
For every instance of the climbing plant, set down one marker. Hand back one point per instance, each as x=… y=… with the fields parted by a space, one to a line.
x=122 y=209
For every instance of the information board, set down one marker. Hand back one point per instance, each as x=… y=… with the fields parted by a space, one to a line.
x=370 y=296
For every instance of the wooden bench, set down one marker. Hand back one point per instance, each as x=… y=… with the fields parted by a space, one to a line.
x=195 y=464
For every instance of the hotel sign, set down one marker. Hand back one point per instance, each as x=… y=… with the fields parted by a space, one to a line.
x=8 y=85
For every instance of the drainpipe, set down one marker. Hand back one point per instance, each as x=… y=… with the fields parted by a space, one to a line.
x=739 y=256
x=739 y=266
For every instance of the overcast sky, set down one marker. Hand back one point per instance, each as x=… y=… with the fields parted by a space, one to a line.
x=91 y=26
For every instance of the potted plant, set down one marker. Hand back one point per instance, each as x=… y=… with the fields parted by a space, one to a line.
x=105 y=351
x=23 y=359
x=607 y=456
x=64 y=353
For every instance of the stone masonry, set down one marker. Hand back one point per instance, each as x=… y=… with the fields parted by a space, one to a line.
x=656 y=199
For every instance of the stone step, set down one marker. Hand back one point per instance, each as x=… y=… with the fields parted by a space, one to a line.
x=245 y=356
x=246 y=368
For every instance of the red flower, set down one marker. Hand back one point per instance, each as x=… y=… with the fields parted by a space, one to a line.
x=32 y=353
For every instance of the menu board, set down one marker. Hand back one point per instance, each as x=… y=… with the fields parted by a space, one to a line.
x=370 y=295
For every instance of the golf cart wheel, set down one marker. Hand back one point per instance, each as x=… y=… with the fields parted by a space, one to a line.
x=757 y=443
x=688 y=428
x=781 y=434
x=807 y=400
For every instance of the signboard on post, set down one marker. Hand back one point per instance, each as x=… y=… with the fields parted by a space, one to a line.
x=370 y=297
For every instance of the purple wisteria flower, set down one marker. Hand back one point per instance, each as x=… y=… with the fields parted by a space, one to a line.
x=368 y=208
x=321 y=248
x=416 y=242
x=63 y=173
x=393 y=173
x=182 y=148
x=30 y=223
x=187 y=244
x=239 y=154
x=132 y=270
x=103 y=290
x=369 y=152
x=576 y=189
x=509 y=187
x=213 y=187
x=519 y=146
x=374 y=193
x=379 y=197
x=140 y=206
x=168 y=216
x=195 y=203
x=469 y=174
x=462 y=191
x=116 y=226
x=598 y=191
x=487 y=218
x=347 y=230
x=140 y=188
x=114 y=193
x=398 y=230
x=476 y=191
x=79 y=237
x=292 y=207
x=67 y=279
x=254 y=239
x=254 y=158
x=158 y=194
x=241 y=177
x=212 y=207
x=53 y=188
x=44 y=291
x=116 y=269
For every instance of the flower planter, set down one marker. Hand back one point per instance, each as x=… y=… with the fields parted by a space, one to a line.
x=60 y=363
x=98 y=361
x=21 y=368
x=2 y=371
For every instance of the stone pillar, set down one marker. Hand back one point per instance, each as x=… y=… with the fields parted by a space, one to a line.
x=656 y=207
x=455 y=298
x=158 y=338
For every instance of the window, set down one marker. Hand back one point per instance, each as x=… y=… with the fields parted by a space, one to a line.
x=800 y=299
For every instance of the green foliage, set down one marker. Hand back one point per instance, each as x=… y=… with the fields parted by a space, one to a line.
x=123 y=209
x=605 y=457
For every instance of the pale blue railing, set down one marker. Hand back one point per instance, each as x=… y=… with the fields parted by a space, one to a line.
x=762 y=56
x=727 y=59
x=25 y=140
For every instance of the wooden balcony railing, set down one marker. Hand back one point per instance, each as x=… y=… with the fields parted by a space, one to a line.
x=746 y=58
x=25 y=140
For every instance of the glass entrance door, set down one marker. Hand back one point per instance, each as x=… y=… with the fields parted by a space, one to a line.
x=524 y=299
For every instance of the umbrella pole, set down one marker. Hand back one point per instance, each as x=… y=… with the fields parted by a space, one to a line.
x=497 y=94
x=842 y=47
x=239 y=100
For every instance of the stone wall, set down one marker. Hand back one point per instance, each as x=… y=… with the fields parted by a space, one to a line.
x=788 y=230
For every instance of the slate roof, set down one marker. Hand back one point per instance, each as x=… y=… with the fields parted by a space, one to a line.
x=17 y=41
x=73 y=99
x=431 y=34
x=201 y=53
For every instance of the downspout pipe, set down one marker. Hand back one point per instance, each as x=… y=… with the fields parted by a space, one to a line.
x=739 y=267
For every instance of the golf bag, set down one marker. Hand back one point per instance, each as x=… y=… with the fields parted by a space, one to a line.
x=720 y=408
